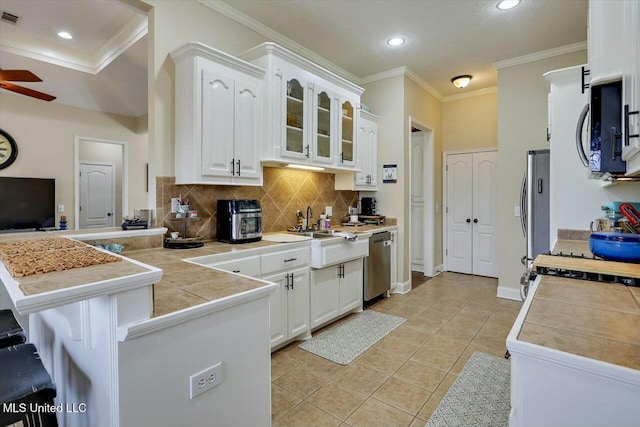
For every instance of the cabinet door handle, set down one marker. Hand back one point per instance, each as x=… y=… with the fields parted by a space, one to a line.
x=627 y=113
x=291 y=281
x=307 y=148
x=342 y=157
x=290 y=259
x=287 y=277
x=614 y=138
x=238 y=163
x=233 y=167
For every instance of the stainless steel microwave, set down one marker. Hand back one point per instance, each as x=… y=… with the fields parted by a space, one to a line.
x=605 y=130
x=239 y=221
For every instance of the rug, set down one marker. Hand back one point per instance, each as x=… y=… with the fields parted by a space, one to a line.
x=480 y=397
x=349 y=339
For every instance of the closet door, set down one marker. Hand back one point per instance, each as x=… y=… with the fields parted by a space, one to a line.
x=485 y=214
x=459 y=212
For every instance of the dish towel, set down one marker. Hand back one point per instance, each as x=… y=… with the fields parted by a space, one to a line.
x=349 y=236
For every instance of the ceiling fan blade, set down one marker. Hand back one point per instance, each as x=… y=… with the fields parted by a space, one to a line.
x=24 y=91
x=19 y=76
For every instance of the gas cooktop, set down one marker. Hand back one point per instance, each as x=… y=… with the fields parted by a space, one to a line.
x=579 y=266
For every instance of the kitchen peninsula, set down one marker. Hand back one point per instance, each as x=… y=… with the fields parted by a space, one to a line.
x=112 y=335
x=109 y=341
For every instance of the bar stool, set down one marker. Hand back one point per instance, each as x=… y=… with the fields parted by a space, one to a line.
x=10 y=331
x=26 y=389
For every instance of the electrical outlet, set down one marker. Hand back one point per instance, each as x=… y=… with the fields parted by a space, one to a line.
x=328 y=210
x=205 y=380
x=60 y=208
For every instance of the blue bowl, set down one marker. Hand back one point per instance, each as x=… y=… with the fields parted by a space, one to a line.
x=616 y=246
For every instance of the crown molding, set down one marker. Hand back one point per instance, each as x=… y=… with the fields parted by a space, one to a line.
x=479 y=92
x=537 y=56
x=245 y=20
x=133 y=31
x=402 y=71
x=91 y=63
x=195 y=49
x=424 y=85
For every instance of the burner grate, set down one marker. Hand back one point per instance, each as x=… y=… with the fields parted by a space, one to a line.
x=583 y=275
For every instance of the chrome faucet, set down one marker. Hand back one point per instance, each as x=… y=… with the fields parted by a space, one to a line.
x=309 y=216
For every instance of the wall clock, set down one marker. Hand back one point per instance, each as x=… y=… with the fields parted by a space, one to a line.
x=8 y=149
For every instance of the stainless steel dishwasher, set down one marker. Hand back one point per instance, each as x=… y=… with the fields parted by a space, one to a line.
x=377 y=266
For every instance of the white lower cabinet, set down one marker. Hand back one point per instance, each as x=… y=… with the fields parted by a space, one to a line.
x=335 y=290
x=289 y=305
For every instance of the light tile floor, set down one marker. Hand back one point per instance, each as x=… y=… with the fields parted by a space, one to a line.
x=400 y=380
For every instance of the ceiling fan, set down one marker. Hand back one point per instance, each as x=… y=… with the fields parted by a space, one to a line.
x=7 y=76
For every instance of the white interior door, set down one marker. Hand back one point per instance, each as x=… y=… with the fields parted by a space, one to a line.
x=417 y=203
x=459 y=212
x=485 y=214
x=97 y=195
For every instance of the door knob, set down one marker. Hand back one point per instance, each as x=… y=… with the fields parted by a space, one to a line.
x=109 y=214
x=468 y=220
x=475 y=220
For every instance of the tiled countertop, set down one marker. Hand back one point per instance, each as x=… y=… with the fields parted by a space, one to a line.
x=600 y=321
x=183 y=284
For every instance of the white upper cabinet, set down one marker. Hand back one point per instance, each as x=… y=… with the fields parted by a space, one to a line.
x=614 y=54
x=303 y=111
x=218 y=104
x=366 y=177
x=605 y=35
x=631 y=87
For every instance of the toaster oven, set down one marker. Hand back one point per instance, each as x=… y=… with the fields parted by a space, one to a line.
x=239 y=221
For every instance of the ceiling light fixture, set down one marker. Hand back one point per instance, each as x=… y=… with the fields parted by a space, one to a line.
x=305 y=167
x=507 y=4
x=395 y=41
x=461 y=81
x=65 y=35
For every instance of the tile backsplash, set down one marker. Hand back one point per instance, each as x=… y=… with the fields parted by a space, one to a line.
x=284 y=191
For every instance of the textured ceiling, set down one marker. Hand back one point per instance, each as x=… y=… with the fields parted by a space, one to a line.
x=444 y=38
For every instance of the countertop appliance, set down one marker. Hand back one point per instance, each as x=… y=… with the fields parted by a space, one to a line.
x=239 y=221
x=377 y=266
x=368 y=206
x=534 y=210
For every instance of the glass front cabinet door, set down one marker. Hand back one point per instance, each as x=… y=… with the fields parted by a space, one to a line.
x=346 y=156
x=324 y=126
x=295 y=141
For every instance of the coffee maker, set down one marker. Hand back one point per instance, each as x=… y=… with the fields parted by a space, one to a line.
x=368 y=206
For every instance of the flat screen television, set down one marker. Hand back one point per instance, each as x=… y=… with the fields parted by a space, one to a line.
x=27 y=203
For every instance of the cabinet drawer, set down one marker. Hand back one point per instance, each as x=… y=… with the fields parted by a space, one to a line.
x=282 y=260
x=249 y=266
x=341 y=252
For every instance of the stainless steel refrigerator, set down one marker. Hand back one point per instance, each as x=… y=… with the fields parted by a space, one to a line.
x=534 y=205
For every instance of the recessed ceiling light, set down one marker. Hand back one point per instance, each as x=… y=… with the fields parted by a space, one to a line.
x=65 y=35
x=395 y=41
x=507 y=4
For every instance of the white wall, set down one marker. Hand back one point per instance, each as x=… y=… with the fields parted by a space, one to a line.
x=522 y=124
x=386 y=99
x=45 y=133
x=470 y=123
